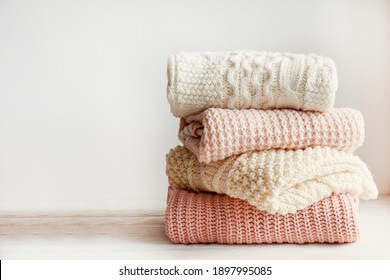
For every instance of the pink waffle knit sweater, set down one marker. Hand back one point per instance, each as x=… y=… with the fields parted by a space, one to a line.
x=213 y=218
x=216 y=134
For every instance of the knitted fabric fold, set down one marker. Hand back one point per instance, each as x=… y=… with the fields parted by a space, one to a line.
x=276 y=181
x=216 y=134
x=250 y=79
x=213 y=218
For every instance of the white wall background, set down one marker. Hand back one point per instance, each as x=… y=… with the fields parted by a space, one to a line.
x=84 y=120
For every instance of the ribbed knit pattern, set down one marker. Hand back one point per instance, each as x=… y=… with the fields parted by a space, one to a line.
x=276 y=181
x=213 y=218
x=216 y=134
x=250 y=79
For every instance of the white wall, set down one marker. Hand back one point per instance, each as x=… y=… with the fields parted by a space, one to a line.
x=84 y=119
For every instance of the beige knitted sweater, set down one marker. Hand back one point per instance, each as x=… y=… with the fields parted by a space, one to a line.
x=276 y=181
x=250 y=79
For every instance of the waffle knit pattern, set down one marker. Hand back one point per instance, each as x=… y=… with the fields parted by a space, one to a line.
x=250 y=79
x=276 y=181
x=213 y=218
x=216 y=134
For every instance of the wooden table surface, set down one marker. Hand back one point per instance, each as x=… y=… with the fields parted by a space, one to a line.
x=139 y=234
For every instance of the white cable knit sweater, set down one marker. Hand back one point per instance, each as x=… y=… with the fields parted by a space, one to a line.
x=276 y=181
x=249 y=79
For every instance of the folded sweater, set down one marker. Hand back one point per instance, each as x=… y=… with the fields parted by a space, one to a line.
x=216 y=134
x=250 y=79
x=276 y=181
x=213 y=218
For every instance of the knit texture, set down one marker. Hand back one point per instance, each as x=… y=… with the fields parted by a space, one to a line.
x=216 y=134
x=276 y=181
x=250 y=79
x=213 y=218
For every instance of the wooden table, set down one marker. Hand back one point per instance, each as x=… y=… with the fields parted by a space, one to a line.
x=139 y=234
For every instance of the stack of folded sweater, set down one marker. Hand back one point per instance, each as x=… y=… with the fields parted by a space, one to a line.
x=266 y=157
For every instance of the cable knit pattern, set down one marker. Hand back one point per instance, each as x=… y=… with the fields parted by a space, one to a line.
x=216 y=134
x=250 y=79
x=276 y=181
x=213 y=218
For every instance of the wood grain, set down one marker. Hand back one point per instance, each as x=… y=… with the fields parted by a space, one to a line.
x=140 y=234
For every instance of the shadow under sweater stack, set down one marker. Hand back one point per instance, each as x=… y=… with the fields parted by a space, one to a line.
x=266 y=157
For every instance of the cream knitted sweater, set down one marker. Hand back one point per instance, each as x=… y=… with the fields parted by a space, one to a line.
x=250 y=79
x=276 y=181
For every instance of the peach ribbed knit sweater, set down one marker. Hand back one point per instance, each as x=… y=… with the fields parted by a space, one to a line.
x=276 y=181
x=213 y=218
x=216 y=134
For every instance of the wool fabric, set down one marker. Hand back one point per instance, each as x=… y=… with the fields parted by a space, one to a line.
x=216 y=134
x=250 y=79
x=276 y=181
x=213 y=218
